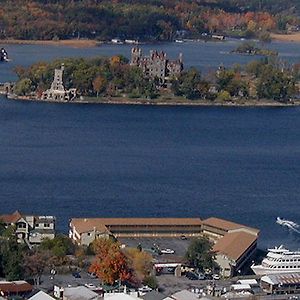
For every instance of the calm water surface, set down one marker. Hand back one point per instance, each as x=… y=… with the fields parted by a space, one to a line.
x=242 y=164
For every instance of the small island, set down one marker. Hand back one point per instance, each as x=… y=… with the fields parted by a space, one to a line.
x=155 y=79
x=250 y=48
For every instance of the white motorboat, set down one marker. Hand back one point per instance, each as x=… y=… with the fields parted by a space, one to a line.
x=287 y=223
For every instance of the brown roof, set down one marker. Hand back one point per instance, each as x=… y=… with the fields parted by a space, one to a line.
x=234 y=244
x=226 y=225
x=15 y=287
x=101 y=224
x=12 y=218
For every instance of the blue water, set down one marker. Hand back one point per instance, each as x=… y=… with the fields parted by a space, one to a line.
x=242 y=164
x=204 y=56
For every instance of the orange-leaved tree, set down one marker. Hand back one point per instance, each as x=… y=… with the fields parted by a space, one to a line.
x=110 y=264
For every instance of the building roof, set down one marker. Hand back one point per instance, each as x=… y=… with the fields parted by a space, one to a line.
x=119 y=296
x=153 y=295
x=248 y=281
x=101 y=224
x=185 y=295
x=11 y=218
x=79 y=293
x=41 y=296
x=15 y=286
x=226 y=225
x=282 y=279
x=234 y=244
x=222 y=224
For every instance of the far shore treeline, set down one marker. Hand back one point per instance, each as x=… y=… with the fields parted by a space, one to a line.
x=112 y=77
x=145 y=20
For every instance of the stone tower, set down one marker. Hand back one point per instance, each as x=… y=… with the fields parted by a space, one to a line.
x=136 y=55
x=57 y=84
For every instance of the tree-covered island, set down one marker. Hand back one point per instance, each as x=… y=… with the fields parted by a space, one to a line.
x=250 y=48
x=114 y=80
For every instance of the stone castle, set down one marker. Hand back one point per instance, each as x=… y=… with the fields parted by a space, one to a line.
x=157 y=65
x=57 y=91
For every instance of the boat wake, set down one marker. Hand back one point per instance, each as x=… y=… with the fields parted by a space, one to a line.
x=289 y=224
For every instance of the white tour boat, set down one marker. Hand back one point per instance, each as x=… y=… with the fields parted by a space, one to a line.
x=278 y=260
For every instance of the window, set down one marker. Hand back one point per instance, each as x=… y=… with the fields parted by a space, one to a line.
x=46 y=225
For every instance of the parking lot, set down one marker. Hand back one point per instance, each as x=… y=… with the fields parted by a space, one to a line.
x=48 y=281
x=177 y=244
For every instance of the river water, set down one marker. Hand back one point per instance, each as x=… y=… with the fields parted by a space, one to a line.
x=241 y=164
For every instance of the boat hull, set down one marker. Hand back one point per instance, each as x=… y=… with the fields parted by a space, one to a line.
x=260 y=270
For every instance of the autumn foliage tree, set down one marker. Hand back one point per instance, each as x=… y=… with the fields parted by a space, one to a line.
x=140 y=262
x=110 y=264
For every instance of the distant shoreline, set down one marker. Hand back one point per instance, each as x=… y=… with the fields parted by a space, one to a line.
x=293 y=37
x=161 y=102
x=75 y=43
x=88 y=43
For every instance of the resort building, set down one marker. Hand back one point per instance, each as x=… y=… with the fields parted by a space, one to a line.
x=157 y=65
x=85 y=231
x=57 y=90
x=234 y=244
x=30 y=229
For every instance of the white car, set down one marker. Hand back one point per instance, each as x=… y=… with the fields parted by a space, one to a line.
x=167 y=251
x=90 y=286
x=216 y=276
x=145 y=289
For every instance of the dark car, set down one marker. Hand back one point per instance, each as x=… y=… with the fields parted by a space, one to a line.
x=76 y=275
x=191 y=276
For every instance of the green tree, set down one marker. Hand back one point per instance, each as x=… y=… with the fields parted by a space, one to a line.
x=11 y=259
x=23 y=87
x=275 y=83
x=200 y=254
x=188 y=84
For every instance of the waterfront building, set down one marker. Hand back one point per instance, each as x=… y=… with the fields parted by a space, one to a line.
x=84 y=231
x=157 y=65
x=57 y=90
x=30 y=229
x=234 y=244
x=284 y=283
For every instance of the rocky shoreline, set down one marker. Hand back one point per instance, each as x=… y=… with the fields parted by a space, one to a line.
x=162 y=102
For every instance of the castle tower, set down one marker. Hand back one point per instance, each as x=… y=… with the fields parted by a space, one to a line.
x=57 y=84
x=136 y=55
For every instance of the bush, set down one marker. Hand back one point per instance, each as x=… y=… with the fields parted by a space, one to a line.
x=151 y=281
x=224 y=96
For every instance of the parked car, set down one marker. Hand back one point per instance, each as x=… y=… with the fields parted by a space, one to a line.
x=145 y=289
x=216 y=276
x=92 y=275
x=191 y=276
x=90 y=286
x=201 y=276
x=167 y=251
x=76 y=275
